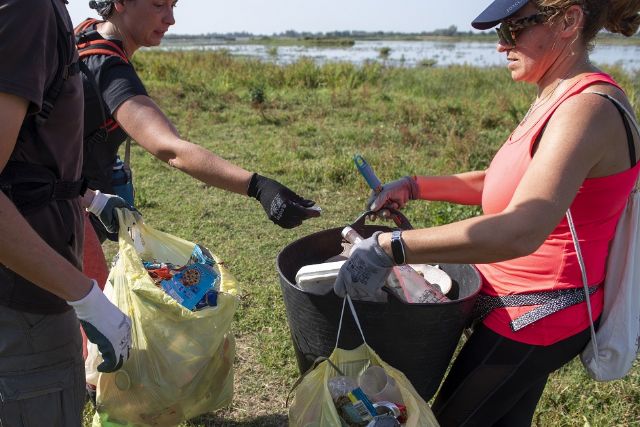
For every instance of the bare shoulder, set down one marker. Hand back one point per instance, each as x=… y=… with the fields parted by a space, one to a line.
x=592 y=123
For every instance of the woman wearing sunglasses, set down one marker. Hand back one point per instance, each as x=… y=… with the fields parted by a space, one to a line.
x=574 y=149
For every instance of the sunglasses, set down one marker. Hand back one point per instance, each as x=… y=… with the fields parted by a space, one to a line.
x=508 y=30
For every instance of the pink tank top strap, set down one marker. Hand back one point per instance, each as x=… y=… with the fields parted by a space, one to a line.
x=576 y=88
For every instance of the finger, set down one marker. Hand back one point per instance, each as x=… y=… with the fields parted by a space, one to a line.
x=306 y=202
x=372 y=198
x=378 y=203
x=294 y=197
x=304 y=212
x=109 y=360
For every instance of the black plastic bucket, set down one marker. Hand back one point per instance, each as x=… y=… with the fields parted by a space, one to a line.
x=418 y=339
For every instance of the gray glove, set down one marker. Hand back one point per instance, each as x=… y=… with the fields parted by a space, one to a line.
x=394 y=194
x=364 y=274
x=103 y=206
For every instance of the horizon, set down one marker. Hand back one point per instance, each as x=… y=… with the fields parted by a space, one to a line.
x=267 y=18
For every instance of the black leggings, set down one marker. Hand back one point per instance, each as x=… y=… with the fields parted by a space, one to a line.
x=495 y=381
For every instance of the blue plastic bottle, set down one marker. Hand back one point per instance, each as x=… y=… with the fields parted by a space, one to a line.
x=121 y=181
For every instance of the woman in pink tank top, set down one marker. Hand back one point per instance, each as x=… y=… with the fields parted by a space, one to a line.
x=574 y=148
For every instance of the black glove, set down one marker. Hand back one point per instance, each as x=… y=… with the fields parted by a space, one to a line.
x=283 y=206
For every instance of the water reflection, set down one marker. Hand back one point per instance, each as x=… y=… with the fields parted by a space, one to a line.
x=409 y=53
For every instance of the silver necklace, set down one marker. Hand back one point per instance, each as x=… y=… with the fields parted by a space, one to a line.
x=535 y=105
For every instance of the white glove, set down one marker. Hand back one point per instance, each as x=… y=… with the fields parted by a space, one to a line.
x=394 y=194
x=106 y=326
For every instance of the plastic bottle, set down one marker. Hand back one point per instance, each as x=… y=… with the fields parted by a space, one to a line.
x=416 y=289
x=351 y=235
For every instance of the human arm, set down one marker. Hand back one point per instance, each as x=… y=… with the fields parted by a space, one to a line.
x=463 y=188
x=143 y=120
x=56 y=274
x=576 y=144
x=20 y=245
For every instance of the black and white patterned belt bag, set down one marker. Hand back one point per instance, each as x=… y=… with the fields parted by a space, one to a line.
x=549 y=302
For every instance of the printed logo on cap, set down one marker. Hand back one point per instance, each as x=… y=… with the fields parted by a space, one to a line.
x=516 y=4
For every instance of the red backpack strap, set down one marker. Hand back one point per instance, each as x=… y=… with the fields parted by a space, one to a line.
x=84 y=25
x=101 y=47
x=89 y=42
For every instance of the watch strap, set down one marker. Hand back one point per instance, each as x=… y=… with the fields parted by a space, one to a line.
x=397 y=247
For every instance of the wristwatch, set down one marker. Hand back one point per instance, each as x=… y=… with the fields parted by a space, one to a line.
x=397 y=247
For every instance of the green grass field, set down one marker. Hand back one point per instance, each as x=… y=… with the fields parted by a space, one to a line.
x=301 y=124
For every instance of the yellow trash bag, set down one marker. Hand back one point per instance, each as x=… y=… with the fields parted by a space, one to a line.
x=313 y=405
x=181 y=361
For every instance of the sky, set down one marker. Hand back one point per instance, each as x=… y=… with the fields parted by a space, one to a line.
x=275 y=16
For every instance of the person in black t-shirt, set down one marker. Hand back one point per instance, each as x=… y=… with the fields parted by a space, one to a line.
x=131 y=24
x=116 y=101
x=43 y=294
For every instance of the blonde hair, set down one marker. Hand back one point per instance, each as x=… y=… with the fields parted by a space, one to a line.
x=616 y=16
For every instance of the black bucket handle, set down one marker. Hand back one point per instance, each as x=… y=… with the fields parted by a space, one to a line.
x=401 y=220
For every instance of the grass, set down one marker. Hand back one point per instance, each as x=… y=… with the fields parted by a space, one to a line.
x=310 y=121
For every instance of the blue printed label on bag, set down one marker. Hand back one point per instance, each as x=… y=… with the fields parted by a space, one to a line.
x=189 y=285
x=201 y=255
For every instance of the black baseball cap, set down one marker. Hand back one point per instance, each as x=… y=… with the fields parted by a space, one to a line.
x=496 y=12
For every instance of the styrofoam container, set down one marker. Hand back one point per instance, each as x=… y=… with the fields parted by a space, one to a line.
x=318 y=279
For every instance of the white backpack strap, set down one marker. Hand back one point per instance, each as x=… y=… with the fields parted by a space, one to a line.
x=583 y=270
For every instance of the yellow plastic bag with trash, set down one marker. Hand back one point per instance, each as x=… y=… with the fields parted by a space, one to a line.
x=181 y=361
x=331 y=393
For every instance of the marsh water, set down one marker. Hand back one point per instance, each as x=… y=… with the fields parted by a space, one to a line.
x=405 y=53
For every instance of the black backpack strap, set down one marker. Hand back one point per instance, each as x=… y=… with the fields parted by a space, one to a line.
x=31 y=187
x=623 y=113
x=100 y=134
x=89 y=42
x=66 y=68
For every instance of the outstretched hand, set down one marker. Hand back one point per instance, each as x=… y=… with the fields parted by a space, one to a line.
x=283 y=206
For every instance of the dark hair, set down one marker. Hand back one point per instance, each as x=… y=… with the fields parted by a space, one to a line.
x=616 y=16
x=103 y=7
